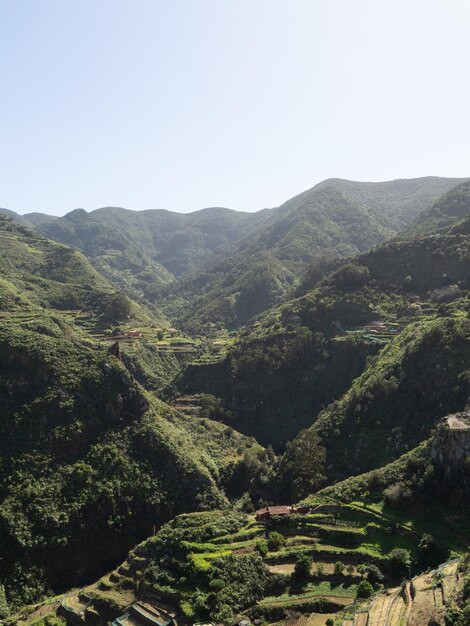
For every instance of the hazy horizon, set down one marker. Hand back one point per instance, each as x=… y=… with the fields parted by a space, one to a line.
x=181 y=105
x=240 y=210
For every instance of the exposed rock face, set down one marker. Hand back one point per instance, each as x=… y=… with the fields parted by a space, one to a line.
x=451 y=445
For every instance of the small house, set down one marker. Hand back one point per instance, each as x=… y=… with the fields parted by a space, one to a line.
x=270 y=511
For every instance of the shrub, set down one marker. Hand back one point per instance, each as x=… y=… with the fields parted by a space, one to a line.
x=397 y=494
x=398 y=561
x=374 y=575
x=275 y=540
x=364 y=589
x=216 y=584
x=225 y=615
x=362 y=569
x=303 y=565
x=262 y=548
x=339 y=567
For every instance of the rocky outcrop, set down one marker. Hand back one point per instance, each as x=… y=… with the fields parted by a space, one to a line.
x=451 y=443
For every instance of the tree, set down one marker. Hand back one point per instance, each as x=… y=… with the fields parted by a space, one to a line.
x=275 y=540
x=350 y=277
x=304 y=464
x=364 y=589
x=362 y=569
x=225 y=615
x=339 y=568
x=303 y=565
x=4 y=609
x=329 y=622
x=374 y=575
x=114 y=307
x=350 y=569
x=399 y=561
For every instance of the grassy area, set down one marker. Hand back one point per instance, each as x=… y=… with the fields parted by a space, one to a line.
x=315 y=590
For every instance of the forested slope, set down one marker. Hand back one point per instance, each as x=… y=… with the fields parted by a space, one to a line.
x=90 y=461
x=304 y=354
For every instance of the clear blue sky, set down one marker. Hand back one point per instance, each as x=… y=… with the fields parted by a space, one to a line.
x=183 y=104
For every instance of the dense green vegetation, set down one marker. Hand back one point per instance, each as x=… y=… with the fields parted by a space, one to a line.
x=89 y=461
x=303 y=355
x=274 y=385
x=347 y=380
x=397 y=401
x=458 y=613
x=445 y=212
x=336 y=218
x=240 y=263
x=421 y=491
x=223 y=565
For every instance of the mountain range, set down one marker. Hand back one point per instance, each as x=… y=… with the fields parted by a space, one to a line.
x=163 y=375
x=219 y=266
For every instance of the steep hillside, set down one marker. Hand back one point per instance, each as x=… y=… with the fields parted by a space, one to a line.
x=367 y=362
x=184 y=242
x=461 y=228
x=37 y=219
x=112 y=250
x=429 y=484
x=90 y=461
x=18 y=219
x=347 y=216
x=340 y=556
x=230 y=265
x=144 y=250
x=397 y=401
x=302 y=355
x=37 y=272
x=452 y=207
x=334 y=218
x=273 y=385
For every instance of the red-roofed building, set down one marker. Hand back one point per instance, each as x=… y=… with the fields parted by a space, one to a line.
x=269 y=511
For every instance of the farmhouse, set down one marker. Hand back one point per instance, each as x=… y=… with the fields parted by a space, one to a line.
x=270 y=511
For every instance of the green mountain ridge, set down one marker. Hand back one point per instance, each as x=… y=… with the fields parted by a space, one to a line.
x=219 y=266
x=356 y=352
x=442 y=214
x=334 y=218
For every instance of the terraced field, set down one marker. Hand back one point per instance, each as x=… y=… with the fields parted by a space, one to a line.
x=380 y=609
x=339 y=592
x=327 y=537
x=397 y=611
x=202 y=547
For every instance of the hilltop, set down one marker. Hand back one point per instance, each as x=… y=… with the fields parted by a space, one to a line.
x=220 y=267
x=336 y=218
